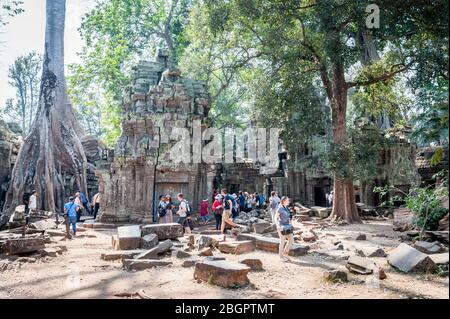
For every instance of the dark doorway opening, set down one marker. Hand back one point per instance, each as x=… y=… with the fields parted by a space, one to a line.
x=319 y=197
x=234 y=189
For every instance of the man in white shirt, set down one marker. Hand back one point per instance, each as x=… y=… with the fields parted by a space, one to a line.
x=32 y=203
x=182 y=213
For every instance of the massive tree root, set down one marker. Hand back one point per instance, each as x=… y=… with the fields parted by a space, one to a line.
x=52 y=153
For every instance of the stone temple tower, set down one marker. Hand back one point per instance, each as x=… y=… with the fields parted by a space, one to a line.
x=157 y=104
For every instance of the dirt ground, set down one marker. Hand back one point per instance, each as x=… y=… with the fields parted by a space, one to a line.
x=81 y=273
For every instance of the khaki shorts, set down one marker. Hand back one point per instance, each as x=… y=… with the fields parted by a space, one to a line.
x=226 y=215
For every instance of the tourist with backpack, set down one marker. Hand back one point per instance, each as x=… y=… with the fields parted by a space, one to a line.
x=184 y=213
x=162 y=208
x=284 y=228
x=228 y=203
x=217 y=209
x=274 y=201
x=70 y=213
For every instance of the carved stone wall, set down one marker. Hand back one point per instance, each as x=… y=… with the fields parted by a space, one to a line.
x=145 y=163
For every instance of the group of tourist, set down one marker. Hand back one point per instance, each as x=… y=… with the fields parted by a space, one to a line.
x=226 y=208
x=74 y=208
x=166 y=211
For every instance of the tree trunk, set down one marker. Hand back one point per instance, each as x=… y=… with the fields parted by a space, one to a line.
x=344 y=204
x=53 y=148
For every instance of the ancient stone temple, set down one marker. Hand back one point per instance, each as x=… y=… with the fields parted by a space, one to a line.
x=145 y=163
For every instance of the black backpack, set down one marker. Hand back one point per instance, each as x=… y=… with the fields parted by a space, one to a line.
x=161 y=211
x=188 y=208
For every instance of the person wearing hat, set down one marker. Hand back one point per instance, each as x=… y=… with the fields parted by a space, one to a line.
x=217 y=209
x=204 y=211
x=71 y=209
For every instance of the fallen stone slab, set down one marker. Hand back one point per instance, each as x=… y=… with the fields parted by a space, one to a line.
x=360 y=265
x=223 y=273
x=271 y=244
x=208 y=241
x=149 y=241
x=141 y=264
x=236 y=247
x=129 y=237
x=253 y=263
x=188 y=263
x=441 y=236
x=371 y=252
x=260 y=226
x=43 y=224
x=23 y=245
x=207 y=251
x=164 y=231
x=120 y=254
x=428 y=248
x=440 y=259
x=49 y=252
x=409 y=259
x=153 y=253
x=178 y=253
x=335 y=275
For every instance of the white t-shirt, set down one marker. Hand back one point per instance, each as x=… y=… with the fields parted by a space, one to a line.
x=33 y=202
x=182 y=209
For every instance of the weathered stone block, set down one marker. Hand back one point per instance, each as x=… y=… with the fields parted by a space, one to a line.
x=227 y=274
x=238 y=247
x=360 y=265
x=129 y=237
x=428 y=248
x=43 y=224
x=164 y=231
x=335 y=276
x=23 y=245
x=119 y=254
x=408 y=259
x=149 y=241
x=155 y=251
x=440 y=259
x=141 y=264
x=253 y=263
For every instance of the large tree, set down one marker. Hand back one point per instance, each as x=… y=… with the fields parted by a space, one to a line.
x=52 y=152
x=321 y=39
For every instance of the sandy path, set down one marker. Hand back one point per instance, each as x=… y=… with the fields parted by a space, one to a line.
x=80 y=273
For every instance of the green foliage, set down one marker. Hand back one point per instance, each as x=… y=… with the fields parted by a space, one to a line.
x=359 y=158
x=24 y=76
x=116 y=34
x=424 y=202
x=431 y=121
x=9 y=8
